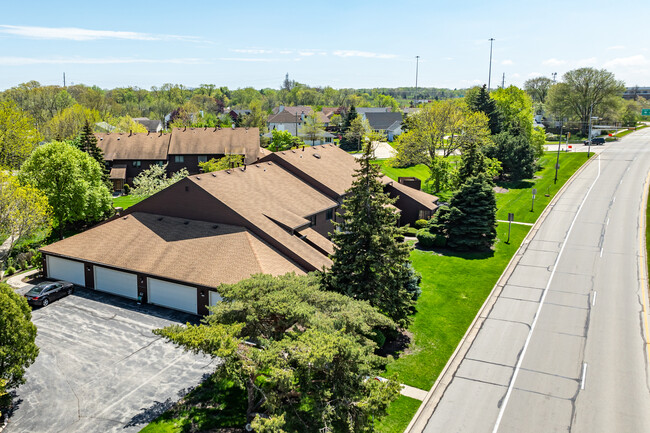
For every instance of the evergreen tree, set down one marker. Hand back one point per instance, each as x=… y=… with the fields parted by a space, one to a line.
x=352 y=114
x=88 y=143
x=478 y=99
x=472 y=162
x=369 y=263
x=516 y=154
x=470 y=220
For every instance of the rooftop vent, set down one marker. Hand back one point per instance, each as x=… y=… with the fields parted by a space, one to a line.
x=118 y=138
x=215 y=226
x=233 y=126
x=317 y=156
x=257 y=165
x=270 y=163
x=198 y=178
x=293 y=151
x=214 y=175
x=125 y=217
x=186 y=222
x=227 y=171
x=160 y=219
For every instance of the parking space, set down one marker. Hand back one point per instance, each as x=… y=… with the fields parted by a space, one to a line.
x=100 y=367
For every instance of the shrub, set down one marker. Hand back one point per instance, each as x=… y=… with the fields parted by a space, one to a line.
x=10 y=271
x=127 y=189
x=37 y=260
x=426 y=239
x=420 y=224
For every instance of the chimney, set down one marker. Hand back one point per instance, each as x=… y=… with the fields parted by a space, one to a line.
x=130 y=132
x=148 y=132
x=232 y=126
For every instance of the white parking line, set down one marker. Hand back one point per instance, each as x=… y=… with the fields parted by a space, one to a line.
x=584 y=374
x=593 y=301
x=539 y=309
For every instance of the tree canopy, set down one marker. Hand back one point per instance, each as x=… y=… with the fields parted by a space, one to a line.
x=18 y=135
x=154 y=179
x=304 y=355
x=18 y=349
x=369 y=262
x=584 y=92
x=312 y=129
x=72 y=181
x=24 y=210
x=228 y=161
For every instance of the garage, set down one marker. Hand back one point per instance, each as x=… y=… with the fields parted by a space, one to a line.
x=116 y=282
x=172 y=295
x=67 y=270
x=215 y=298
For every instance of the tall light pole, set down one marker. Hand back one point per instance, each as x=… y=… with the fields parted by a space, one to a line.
x=559 y=143
x=591 y=110
x=490 y=73
x=417 y=65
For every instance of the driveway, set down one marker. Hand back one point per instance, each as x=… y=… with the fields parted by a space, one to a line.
x=101 y=369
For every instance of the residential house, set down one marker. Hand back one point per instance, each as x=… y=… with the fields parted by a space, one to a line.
x=362 y=111
x=152 y=125
x=286 y=121
x=387 y=123
x=295 y=110
x=176 y=247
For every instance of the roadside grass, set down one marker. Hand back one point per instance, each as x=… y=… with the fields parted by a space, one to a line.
x=399 y=415
x=125 y=201
x=629 y=131
x=518 y=199
x=213 y=405
x=454 y=286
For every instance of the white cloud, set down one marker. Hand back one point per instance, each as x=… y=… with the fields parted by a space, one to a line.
x=638 y=60
x=251 y=51
x=23 y=61
x=515 y=75
x=590 y=61
x=366 y=54
x=77 y=34
x=507 y=62
x=535 y=74
x=252 y=59
x=554 y=62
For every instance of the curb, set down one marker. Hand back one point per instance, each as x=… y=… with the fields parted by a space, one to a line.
x=428 y=406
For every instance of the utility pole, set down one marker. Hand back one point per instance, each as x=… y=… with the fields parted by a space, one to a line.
x=490 y=73
x=417 y=65
x=554 y=75
x=503 y=81
x=559 y=142
x=64 y=79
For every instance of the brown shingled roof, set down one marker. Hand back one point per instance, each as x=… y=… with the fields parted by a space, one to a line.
x=427 y=200
x=284 y=117
x=191 y=251
x=333 y=167
x=211 y=141
x=140 y=146
x=272 y=199
x=118 y=172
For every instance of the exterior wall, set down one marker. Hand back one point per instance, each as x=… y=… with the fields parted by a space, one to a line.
x=291 y=127
x=323 y=225
x=411 y=182
x=132 y=171
x=409 y=208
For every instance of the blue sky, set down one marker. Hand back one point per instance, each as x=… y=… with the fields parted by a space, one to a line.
x=336 y=43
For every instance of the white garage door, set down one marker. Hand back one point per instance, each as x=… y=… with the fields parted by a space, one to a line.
x=67 y=270
x=116 y=282
x=172 y=295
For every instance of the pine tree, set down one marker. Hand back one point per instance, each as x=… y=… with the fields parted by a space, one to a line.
x=470 y=221
x=472 y=162
x=369 y=262
x=88 y=144
x=480 y=100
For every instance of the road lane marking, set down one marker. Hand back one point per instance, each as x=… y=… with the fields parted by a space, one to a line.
x=601 y=251
x=593 y=302
x=607 y=221
x=614 y=201
x=539 y=309
x=584 y=374
x=643 y=263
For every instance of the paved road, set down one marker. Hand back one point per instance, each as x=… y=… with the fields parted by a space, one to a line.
x=100 y=369
x=564 y=347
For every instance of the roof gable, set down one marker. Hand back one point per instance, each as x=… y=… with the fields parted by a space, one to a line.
x=134 y=146
x=383 y=121
x=214 y=141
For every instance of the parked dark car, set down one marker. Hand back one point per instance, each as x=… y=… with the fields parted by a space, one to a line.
x=595 y=141
x=46 y=292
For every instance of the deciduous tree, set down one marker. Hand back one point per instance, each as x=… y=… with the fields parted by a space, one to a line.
x=312 y=129
x=583 y=92
x=18 y=349
x=154 y=179
x=72 y=181
x=369 y=262
x=24 y=210
x=538 y=88
x=217 y=164
x=516 y=154
x=69 y=122
x=18 y=135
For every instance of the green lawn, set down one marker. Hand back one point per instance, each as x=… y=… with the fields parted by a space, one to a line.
x=519 y=198
x=126 y=201
x=399 y=415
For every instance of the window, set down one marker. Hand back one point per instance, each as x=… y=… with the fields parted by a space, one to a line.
x=329 y=214
x=179 y=158
x=312 y=220
x=203 y=158
x=425 y=214
x=137 y=163
x=160 y=163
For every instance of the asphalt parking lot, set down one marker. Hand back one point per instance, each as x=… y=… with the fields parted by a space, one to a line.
x=101 y=369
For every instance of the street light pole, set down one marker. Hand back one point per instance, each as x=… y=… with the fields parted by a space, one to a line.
x=417 y=65
x=490 y=73
x=591 y=109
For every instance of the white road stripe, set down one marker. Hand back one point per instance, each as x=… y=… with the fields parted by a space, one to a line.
x=584 y=374
x=539 y=309
x=593 y=302
x=601 y=251
x=607 y=221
